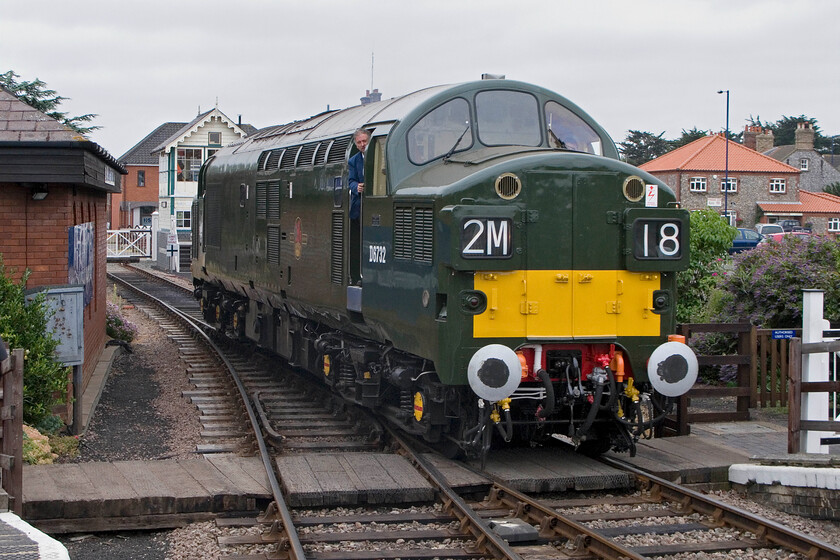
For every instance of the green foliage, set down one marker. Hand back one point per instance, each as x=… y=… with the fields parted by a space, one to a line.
x=36 y=95
x=24 y=325
x=833 y=188
x=687 y=137
x=766 y=285
x=710 y=240
x=640 y=147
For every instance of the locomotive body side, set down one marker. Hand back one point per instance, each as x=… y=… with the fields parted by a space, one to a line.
x=510 y=275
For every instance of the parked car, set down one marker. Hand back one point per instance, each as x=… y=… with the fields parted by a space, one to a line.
x=782 y=236
x=745 y=240
x=766 y=229
x=788 y=225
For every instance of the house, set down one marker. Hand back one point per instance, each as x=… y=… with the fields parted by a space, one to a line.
x=133 y=207
x=818 y=210
x=722 y=174
x=180 y=157
x=816 y=171
x=54 y=187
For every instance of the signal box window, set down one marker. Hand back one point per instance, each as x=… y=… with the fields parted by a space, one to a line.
x=507 y=118
x=141 y=177
x=567 y=131
x=444 y=130
x=188 y=164
x=214 y=138
x=182 y=219
x=777 y=186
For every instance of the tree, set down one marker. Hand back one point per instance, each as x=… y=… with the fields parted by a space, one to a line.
x=833 y=188
x=709 y=242
x=36 y=95
x=640 y=147
x=784 y=132
x=687 y=137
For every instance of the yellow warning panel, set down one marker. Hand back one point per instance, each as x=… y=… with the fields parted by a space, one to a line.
x=565 y=304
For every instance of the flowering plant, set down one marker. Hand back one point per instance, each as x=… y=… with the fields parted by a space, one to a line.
x=116 y=326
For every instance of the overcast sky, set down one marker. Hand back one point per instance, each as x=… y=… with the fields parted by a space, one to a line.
x=652 y=65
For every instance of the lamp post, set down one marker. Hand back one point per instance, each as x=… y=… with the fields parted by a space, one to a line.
x=726 y=168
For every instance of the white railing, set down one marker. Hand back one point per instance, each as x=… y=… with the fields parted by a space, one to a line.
x=129 y=243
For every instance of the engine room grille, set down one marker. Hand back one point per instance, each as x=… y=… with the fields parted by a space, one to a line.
x=338 y=149
x=337 y=248
x=213 y=217
x=413 y=234
x=273 y=245
x=306 y=154
x=261 y=200
x=289 y=156
x=273 y=201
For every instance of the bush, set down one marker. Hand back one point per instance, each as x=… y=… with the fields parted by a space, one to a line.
x=116 y=326
x=24 y=325
x=709 y=242
x=765 y=287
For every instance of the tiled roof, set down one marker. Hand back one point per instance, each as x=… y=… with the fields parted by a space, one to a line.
x=780 y=153
x=809 y=203
x=141 y=153
x=709 y=154
x=22 y=123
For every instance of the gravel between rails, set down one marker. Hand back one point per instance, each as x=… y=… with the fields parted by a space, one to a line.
x=141 y=415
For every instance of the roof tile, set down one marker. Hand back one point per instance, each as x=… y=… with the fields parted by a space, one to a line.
x=709 y=154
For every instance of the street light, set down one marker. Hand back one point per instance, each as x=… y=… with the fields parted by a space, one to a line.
x=726 y=169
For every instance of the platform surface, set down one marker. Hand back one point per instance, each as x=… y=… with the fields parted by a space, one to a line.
x=155 y=493
x=21 y=541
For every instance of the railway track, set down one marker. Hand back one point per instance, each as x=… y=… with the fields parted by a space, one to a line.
x=658 y=520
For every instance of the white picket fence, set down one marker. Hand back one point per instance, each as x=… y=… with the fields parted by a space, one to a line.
x=129 y=243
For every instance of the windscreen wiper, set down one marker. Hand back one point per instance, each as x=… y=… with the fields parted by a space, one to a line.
x=458 y=141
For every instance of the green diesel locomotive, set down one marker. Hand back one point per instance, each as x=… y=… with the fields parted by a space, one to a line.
x=509 y=278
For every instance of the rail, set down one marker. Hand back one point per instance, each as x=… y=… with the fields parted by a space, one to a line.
x=11 y=427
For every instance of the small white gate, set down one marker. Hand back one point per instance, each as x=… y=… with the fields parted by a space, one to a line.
x=129 y=243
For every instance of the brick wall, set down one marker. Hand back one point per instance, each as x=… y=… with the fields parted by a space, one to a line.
x=814 y=503
x=33 y=236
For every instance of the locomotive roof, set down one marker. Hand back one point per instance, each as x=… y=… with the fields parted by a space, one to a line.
x=330 y=124
x=343 y=122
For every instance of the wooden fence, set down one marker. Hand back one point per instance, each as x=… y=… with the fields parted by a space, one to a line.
x=761 y=363
x=11 y=429
x=797 y=387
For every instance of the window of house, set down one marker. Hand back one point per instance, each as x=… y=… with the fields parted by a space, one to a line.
x=141 y=177
x=211 y=152
x=188 y=164
x=777 y=186
x=214 y=138
x=697 y=184
x=182 y=219
x=834 y=224
x=733 y=185
x=803 y=164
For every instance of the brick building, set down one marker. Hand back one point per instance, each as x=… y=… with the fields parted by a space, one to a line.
x=53 y=210
x=698 y=173
x=133 y=207
x=816 y=171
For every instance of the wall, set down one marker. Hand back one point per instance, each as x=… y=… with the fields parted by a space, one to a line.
x=120 y=216
x=33 y=236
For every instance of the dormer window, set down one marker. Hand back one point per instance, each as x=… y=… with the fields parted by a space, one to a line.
x=214 y=138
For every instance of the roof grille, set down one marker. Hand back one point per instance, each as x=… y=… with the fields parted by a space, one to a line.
x=306 y=154
x=338 y=150
x=289 y=157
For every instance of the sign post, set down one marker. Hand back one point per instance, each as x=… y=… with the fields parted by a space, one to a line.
x=174 y=251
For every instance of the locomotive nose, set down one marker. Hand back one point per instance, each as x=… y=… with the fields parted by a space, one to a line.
x=672 y=369
x=494 y=372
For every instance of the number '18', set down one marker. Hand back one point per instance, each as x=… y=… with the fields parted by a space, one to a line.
x=669 y=243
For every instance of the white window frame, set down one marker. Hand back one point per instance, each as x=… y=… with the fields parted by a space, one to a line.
x=834 y=225
x=697 y=184
x=778 y=186
x=183 y=219
x=733 y=185
x=730 y=216
x=803 y=164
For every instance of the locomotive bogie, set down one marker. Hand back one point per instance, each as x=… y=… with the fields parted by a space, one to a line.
x=507 y=277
